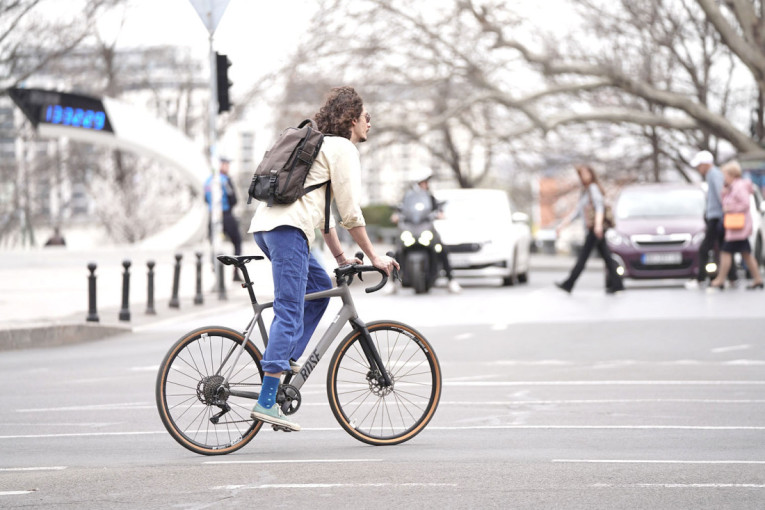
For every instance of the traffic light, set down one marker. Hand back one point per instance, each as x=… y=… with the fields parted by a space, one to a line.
x=222 y=63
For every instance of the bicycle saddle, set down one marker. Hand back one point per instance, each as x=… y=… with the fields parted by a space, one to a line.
x=238 y=260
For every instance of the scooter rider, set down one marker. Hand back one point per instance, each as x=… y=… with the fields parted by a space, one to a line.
x=422 y=182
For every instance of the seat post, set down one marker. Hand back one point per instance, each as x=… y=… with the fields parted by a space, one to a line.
x=247 y=282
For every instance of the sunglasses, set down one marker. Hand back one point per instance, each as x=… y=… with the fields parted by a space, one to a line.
x=367 y=117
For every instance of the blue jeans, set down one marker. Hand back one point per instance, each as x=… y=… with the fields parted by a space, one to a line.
x=296 y=272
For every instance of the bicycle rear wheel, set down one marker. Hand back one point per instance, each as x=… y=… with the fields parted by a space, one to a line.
x=371 y=412
x=190 y=391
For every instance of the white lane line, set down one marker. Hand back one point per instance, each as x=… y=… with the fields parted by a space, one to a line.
x=290 y=461
x=679 y=486
x=600 y=401
x=95 y=407
x=41 y=468
x=474 y=403
x=443 y=428
x=329 y=485
x=653 y=461
x=464 y=336
x=15 y=493
x=83 y=434
x=730 y=348
x=602 y=383
x=616 y=363
x=595 y=427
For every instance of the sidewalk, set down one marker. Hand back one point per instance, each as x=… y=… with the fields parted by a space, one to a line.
x=44 y=291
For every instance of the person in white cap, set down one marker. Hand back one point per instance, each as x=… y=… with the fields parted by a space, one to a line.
x=704 y=163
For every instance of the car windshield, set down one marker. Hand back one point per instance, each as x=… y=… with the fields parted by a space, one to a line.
x=653 y=203
x=473 y=207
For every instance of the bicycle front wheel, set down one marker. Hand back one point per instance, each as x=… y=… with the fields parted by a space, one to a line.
x=190 y=391
x=371 y=412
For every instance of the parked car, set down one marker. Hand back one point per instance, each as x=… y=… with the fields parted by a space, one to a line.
x=485 y=238
x=659 y=228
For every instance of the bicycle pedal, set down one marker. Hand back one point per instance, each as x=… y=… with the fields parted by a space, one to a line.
x=279 y=427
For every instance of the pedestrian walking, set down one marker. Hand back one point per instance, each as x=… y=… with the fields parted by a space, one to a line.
x=286 y=232
x=591 y=207
x=714 y=233
x=738 y=226
x=227 y=203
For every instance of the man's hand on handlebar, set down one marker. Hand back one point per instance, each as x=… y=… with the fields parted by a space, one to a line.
x=348 y=261
x=385 y=263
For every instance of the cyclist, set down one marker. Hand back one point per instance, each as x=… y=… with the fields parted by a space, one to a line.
x=285 y=234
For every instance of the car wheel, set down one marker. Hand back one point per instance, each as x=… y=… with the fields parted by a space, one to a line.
x=509 y=280
x=523 y=278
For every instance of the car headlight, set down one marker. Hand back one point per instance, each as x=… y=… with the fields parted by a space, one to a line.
x=615 y=238
x=698 y=238
x=407 y=238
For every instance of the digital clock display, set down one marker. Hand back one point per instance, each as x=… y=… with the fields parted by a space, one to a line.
x=75 y=117
x=64 y=109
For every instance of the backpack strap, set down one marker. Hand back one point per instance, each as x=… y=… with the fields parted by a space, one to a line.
x=327 y=199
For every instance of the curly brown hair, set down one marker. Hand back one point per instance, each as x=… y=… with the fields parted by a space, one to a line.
x=341 y=107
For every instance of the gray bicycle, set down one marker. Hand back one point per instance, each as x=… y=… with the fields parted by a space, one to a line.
x=383 y=382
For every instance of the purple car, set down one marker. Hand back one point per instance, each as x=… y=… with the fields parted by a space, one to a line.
x=658 y=230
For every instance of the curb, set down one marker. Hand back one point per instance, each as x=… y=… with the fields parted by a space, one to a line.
x=55 y=335
x=74 y=329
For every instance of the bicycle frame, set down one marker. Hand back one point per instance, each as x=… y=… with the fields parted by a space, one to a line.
x=347 y=313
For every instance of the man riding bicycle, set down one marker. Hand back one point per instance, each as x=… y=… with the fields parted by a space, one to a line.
x=285 y=234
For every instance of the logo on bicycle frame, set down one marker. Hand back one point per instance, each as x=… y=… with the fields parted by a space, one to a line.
x=310 y=364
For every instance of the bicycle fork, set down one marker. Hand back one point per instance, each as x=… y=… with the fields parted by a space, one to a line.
x=377 y=367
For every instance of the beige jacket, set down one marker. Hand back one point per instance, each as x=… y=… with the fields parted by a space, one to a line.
x=337 y=161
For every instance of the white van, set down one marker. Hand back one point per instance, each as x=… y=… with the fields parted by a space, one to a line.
x=483 y=235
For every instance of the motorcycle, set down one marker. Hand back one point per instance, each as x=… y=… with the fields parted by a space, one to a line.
x=418 y=245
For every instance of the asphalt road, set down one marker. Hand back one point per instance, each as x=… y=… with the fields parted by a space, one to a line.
x=649 y=399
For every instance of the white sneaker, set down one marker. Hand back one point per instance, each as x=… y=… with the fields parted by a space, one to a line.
x=692 y=285
x=454 y=287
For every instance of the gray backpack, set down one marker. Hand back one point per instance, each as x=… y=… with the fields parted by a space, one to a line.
x=280 y=177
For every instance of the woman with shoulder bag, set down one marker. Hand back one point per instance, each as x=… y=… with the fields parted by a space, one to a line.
x=737 y=220
x=592 y=207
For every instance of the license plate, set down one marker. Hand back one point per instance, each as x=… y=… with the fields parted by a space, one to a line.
x=662 y=258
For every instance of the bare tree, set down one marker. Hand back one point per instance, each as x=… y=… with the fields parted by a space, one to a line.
x=29 y=41
x=635 y=85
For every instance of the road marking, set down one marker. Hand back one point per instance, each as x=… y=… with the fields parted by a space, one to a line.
x=601 y=401
x=601 y=364
x=730 y=348
x=595 y=427
x=46 y=468
x=150 y=368
x=329 y=485
x=95 y=407
x=679 y=486
x=443 y=428
x=602 y=383
x=288 y=461
x=133 y=406
x=464 y=336
x=15 y=493
x=638 y=461
x=83 y=434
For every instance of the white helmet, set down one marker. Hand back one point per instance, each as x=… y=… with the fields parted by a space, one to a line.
x=422 y=175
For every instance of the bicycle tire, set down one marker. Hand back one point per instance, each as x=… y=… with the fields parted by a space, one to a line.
x=385 y=416
x=188 y=372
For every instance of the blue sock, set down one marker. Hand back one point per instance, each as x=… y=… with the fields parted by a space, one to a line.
x=268 y=392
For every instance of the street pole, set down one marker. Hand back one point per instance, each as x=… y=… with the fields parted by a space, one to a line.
x=211 y=12
x=216 y=214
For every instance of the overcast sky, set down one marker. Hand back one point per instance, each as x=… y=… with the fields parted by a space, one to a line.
x=255 y=34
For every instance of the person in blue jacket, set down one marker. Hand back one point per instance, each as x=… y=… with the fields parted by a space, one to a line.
x=228 y=201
